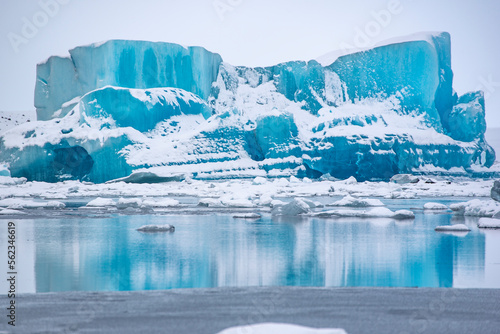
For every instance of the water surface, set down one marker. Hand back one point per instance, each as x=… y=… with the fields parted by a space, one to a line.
x=216 y=250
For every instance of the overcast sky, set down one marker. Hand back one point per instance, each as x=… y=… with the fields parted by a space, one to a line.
x=248 y=32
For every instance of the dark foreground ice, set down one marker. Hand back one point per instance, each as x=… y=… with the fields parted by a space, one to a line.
x=357 y=310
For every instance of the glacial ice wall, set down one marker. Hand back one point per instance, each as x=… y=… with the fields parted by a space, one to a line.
x=121 y=63
x=121 y=107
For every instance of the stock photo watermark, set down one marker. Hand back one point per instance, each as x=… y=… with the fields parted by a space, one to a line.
x=488 y=85
x=364 y=37
x=223 y=7
x=32 y=25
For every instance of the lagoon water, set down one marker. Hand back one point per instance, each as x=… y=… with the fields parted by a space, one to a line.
x=216 y=250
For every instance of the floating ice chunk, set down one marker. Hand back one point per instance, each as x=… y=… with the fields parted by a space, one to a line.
x=11 y=212
x=477 y=208
x=237 y=202
x=371 y=213
x=160 y=203
x=100 y=202
x=276 y=203
x=11 y=181
x=453 y=228
x=148 y=177
x=357 y=202
x=156 y=228
x=404 y=179
x=210 y=202
x=282 y=182
x=313 y=204
x=293 y=179
x=124 y=203
x=351 y=180
x=55 y=205
x=250 y=215
x=296 y=207
x=403 y=214
x=489 y=223
x=401 y=195
x=20 y=203
x=278 y=328
x=495 y=191
x=435 y=206
x=264 y=200
x=259 y=180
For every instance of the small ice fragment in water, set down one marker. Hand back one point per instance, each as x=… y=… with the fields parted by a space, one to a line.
x=247 y=215
x=435 y=206
x=156 y=228
x=452 y=228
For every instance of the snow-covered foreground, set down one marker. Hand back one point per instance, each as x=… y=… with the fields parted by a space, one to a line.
x=276 y=328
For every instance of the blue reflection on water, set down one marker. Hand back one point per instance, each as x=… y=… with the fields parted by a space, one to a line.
x=217 y=250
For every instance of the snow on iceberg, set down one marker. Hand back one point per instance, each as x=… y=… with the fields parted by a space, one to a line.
x=156 y=228
x=357 y=202
x=117 y=108
x=278 y=328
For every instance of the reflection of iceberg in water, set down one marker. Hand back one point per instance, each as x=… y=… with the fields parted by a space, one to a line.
x=212 y=251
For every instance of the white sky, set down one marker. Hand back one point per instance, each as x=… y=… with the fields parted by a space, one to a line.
x=251 y=33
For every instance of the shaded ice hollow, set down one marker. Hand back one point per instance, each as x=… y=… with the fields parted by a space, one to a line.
x=154 y=110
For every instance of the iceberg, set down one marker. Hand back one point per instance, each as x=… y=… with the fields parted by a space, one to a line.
x=137 y=111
